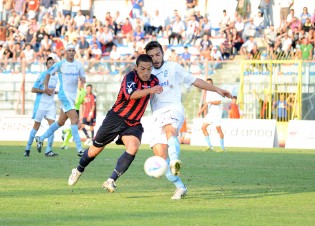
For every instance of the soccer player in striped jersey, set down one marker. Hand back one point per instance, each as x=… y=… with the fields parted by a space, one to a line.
x=44 y=107
x=123 y=120
x=69 y=73
x=168 y=111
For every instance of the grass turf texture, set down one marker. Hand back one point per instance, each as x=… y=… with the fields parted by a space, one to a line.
x=240 y=187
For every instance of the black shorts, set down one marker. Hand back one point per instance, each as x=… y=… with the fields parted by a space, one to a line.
x=90 y=123
x=113 y=126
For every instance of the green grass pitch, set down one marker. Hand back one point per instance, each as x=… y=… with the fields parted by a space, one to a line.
x=244 y=186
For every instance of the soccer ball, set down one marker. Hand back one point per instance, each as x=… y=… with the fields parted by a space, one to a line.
x=155 y=166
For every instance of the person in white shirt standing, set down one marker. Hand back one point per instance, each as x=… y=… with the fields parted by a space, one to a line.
x=285 y=6
x=168 y=111
x=214 y=115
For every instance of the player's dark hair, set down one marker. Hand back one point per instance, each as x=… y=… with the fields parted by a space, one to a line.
x=89 y=85
x=152 y=45
x=209 y=79
x=48 y=59
x=234 y=97
x=143 y=58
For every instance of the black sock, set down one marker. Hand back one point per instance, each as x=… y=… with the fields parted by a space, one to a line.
x=92 y=134
x=123 y=164
x=84 y=161
x=85 y=132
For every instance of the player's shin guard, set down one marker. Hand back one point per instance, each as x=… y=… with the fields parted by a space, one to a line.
x=31 y=139
x=76 y=137
x=50 y=131
x=173 y=148
x=84 y=161
x=174 y=179
x=123 y=164
x=50 y=143
x=207 y=139
x=222 y=143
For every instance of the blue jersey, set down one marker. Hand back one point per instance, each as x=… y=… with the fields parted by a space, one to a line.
x=44 y=101
x=68 y=73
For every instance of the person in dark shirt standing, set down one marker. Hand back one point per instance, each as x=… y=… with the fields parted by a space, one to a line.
x=123 y=120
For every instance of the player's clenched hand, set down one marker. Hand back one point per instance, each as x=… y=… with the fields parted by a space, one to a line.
x=49 y=91
x=224 y=93
x=156 y=89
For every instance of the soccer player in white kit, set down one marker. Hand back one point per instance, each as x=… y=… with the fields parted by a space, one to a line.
x=69 y=71
x=168 y=111
x=44 y=107
x=214 y=115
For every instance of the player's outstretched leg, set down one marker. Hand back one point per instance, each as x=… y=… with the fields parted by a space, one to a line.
x=30 y=142
x=49 y=152
x=76 y=172
x=77 y=140
x=173 y=153
x=181 y=189
x=122 y=166
x=50 y=131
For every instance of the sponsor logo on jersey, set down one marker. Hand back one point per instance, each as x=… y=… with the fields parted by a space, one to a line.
x=164 y=84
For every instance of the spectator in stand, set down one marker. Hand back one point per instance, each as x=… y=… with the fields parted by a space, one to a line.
x=190 y=7
x=294 y=23
x=126 y=29
x=19 y=6
x=178 y=28
x=225 y=21
x=255 y=54
x=51 y=27
x=250 y=29
x=259 y=22
x=83 y=51
x=39 y=37
x=205 y=27
x=233 y=109
x=59 y=46
x=72 y=34
x=109 y=21
x=115 y=57
x=157 y=23
x=96 y=24
x=14 y=20
x=192 y=31
x=95 y=41
x=282 y=108
x=285 y=6
x=205 y=43
x=243 y=8
x=248 y=46
x=23 y=27
x=53 y=55
x=47 y=6
x=306 y=50
x=185 y=58
x=285 y=42
x=67 y=23
x=16 y=59
x=313 y=18
x=264 y=7
x=271 y=36
x=307 y=26
x=32 y=8
x=85 y=7
x=96 y=54
x=79 y=21
x=305 y=14
x=88 y=25
x=117 y=22
x=173 y=57
x=66 y=7
x=290 y=17
x=239 y=26
x=167 y=52
x=46 y=43
x=59 y=23
x=8 y=9
x=146 y=19
x=137 y=6
x=30 y=37
x=75 y=7
x=34 y=24
x=215 y=56
x=138 y=34
x=226 y=47
x=107 y=40
x=28 y=55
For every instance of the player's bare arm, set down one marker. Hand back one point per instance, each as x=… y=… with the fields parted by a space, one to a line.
x=204 y=85
x=141 y=93
x=47 y=90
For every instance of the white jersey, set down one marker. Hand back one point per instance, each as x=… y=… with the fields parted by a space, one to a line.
x=68 y=73
x=171 y=75
x=213 y=96
x=44 y=101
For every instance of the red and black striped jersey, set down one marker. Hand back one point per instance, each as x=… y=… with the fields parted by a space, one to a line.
x=133 y=110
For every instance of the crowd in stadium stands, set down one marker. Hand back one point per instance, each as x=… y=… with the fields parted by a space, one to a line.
x=31 y=30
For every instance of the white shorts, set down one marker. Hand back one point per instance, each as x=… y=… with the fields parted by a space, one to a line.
x=213 y=117
x=48 y=114
x=173 y=117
